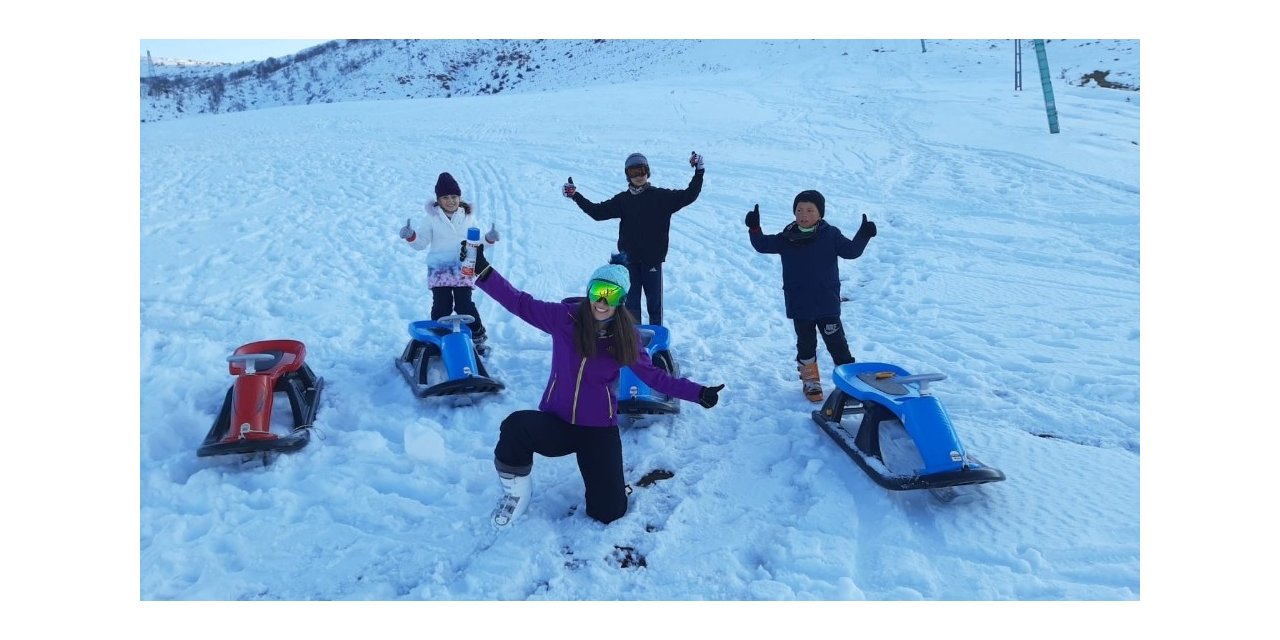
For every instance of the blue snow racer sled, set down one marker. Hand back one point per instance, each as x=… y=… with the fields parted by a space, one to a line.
x=441 y=360
x=882 y=393
x=635 y=398
x=244 y=425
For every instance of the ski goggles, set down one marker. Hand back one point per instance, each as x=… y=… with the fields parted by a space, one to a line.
x=637 y=171
x=611 y=292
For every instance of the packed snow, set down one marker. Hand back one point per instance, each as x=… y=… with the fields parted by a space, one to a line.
x=1007 y=259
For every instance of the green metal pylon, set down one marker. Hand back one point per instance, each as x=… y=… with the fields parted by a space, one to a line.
x=1049 y=106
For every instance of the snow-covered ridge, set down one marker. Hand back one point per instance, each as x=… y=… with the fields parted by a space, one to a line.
x=357 y=70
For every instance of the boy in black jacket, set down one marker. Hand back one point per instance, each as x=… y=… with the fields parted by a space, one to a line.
x=644 y=228
x=811 y=279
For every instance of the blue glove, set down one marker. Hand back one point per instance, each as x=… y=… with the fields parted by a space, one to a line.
x=492 y=235
x=407 y=231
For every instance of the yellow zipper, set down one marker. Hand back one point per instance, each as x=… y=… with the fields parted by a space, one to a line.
x=577 y=388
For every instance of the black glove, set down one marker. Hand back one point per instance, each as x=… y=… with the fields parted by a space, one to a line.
x=753 y=218
x=709 y=396
x=482 y=263
x=868 y=226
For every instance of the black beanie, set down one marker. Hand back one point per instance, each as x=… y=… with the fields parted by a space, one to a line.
x=813 y=196
x=447 y=186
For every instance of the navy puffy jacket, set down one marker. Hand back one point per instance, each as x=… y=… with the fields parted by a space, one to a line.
x=810 y=269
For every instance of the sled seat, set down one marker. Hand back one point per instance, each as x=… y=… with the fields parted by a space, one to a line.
x=881 y=392
x=654 y=338
x=271 y=358
x=262 y=368
x=446 y=342
x=919 y=412
x=431 y=331
x=635 y=398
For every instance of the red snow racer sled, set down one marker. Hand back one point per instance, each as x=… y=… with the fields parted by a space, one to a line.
x=262 y=369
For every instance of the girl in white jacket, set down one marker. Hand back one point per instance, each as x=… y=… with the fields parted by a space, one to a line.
x=441 y=238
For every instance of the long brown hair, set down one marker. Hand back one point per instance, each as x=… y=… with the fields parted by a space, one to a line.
x=624 y=348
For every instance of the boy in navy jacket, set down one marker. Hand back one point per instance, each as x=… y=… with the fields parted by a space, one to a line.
x=809 y=248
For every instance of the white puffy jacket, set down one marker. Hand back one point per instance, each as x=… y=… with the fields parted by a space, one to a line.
x=441 y=238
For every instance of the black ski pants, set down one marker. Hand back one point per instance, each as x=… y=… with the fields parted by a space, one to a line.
x=646 y=279
x=832 y=334
x=598 y=449
x=445 y=301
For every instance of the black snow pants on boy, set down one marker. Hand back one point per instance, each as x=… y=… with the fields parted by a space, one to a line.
x=832 y=334
x=646 y=279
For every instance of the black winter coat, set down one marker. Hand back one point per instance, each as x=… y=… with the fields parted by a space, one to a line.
x=810 y=271
x=644 y=226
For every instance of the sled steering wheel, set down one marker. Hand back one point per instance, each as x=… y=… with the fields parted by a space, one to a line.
x=250 y=360
x=457 y=320
x=922 y=379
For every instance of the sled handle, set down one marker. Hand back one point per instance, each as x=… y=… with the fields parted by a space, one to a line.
x=920 y=377
x=923 y=379
x=457 y=319
x=249 y=360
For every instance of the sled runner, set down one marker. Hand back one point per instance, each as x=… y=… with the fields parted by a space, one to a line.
x=262 y=369
x=882 y=393
x=441 y=360
x=635 y=398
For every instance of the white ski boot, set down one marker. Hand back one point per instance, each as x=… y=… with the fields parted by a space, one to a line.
x=516 y=491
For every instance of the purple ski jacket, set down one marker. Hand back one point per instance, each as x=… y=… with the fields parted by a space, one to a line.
x=581 y=391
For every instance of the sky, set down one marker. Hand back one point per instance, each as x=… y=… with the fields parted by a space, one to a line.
x=225 y=50
x=1007 y=258
x=1199 y=297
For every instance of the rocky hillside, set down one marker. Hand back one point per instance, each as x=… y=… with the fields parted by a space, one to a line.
x=345 y=70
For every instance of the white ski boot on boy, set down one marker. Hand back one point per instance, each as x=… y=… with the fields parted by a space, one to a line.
x=516 y=491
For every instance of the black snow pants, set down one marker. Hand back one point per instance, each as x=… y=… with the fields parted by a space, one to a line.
x=832 y=334
x=598 y=449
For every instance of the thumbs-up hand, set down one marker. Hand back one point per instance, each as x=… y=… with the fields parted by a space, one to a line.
x=492 y=236
x=569 y=189
x=709 y=396
x=753 y=217
x=407 y=231
x=868 y=226
x=695 y=161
